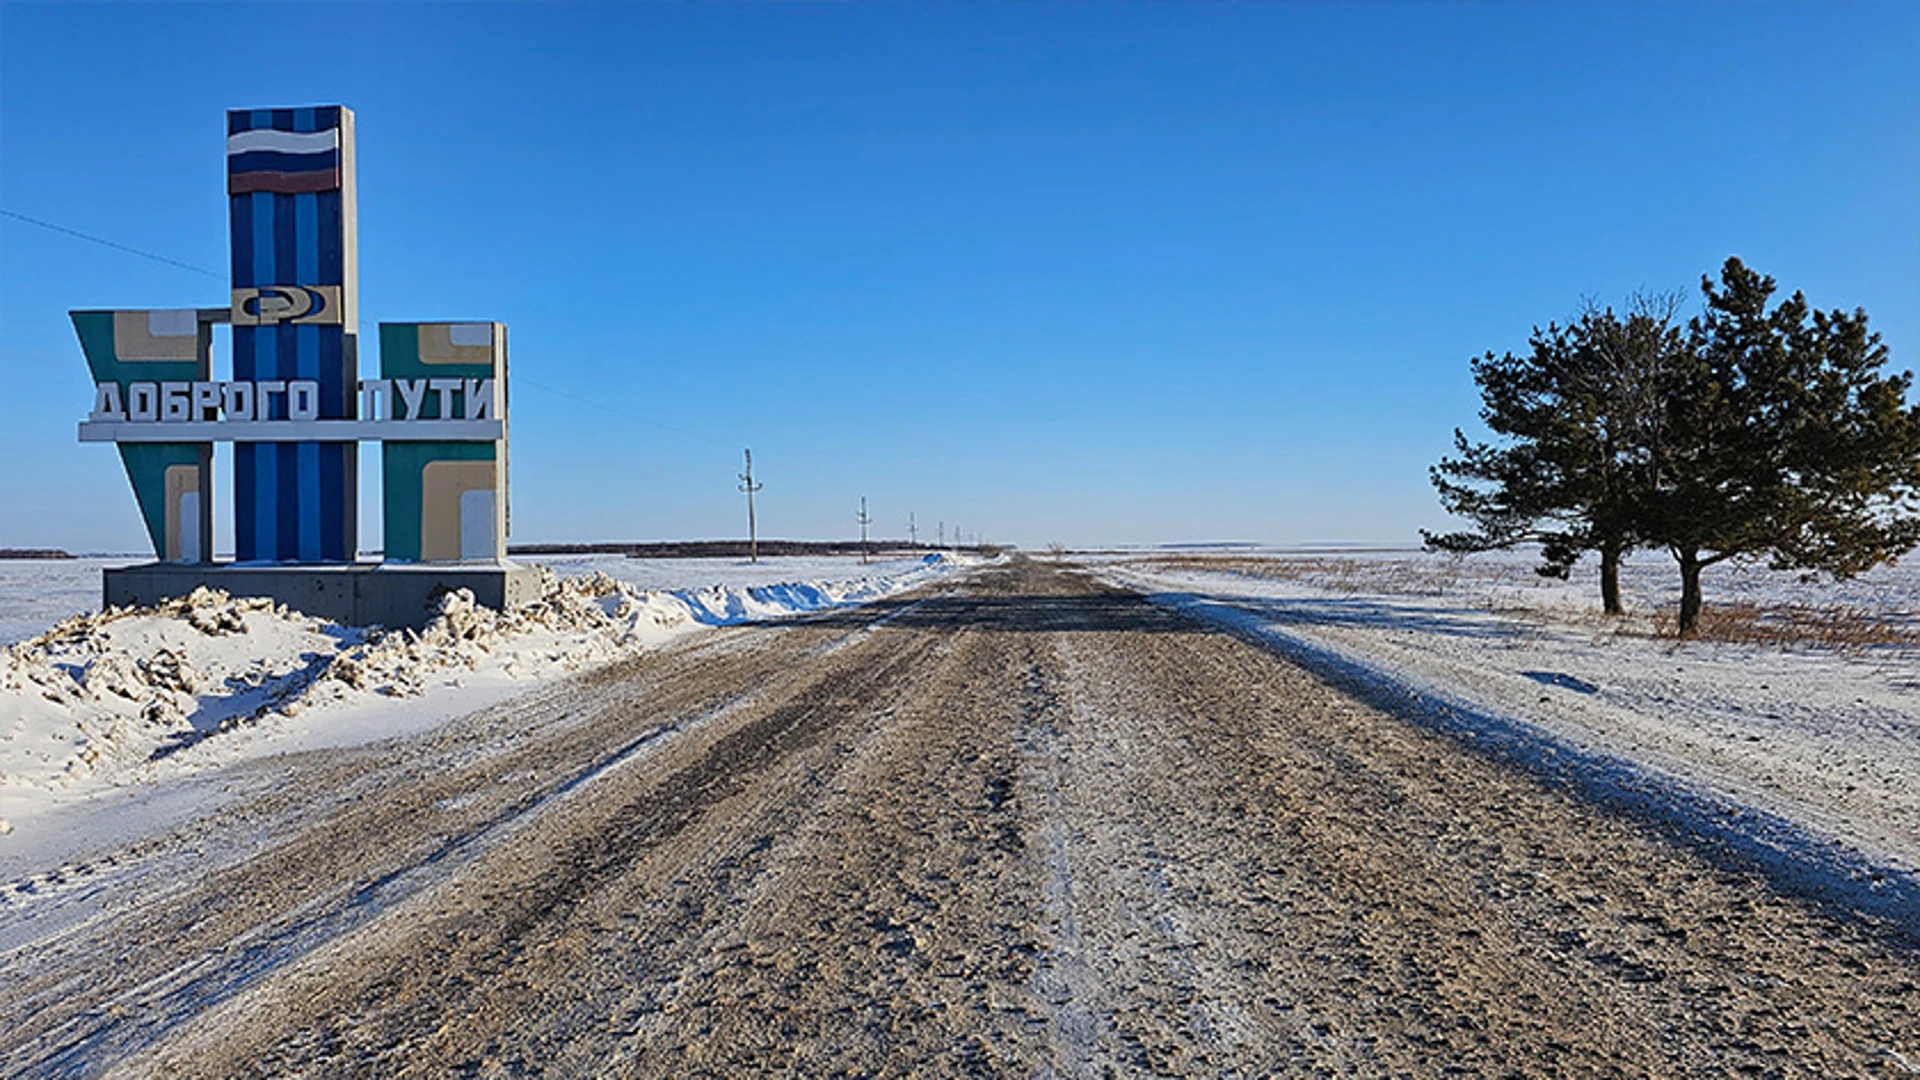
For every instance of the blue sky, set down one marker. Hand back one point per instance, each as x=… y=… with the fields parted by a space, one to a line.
x=1081 y=273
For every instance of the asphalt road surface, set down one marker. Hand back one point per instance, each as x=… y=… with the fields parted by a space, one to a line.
x=1017 y=825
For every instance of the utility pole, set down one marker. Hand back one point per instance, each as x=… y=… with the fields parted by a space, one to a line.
x=753 y=530
x=864 y=521
x=941 y=535
x=913 y=532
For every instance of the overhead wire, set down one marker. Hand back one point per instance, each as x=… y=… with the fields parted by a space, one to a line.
x=129 y=249
x=17 y=216
x=522 y=380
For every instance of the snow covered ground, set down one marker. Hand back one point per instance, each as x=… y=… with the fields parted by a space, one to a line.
x=36 y=593
x=1803 y=724
x=92 y=702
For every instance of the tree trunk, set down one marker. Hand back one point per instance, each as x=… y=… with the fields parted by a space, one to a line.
x=1610 y=581
x=1689 y=592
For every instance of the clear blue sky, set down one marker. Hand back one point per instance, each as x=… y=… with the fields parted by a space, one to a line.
x=1087 y=273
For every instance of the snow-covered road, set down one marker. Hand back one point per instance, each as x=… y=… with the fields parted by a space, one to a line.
x=1013 y=823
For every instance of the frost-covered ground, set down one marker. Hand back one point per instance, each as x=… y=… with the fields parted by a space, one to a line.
x=91 y=702
x=36 y=593
x=1802 y=723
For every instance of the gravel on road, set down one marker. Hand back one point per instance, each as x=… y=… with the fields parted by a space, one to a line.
x=1020 y=824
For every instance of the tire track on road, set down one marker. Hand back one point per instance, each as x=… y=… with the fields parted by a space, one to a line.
x=1028 y=826
x=419 y=812
x=480 y=948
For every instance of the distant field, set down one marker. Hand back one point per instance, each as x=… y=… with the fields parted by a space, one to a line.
x=738 y=549
x=1743 y=602
x=36 y=593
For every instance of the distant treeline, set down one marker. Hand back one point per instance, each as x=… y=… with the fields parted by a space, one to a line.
x=737 y=549
x=34 y=553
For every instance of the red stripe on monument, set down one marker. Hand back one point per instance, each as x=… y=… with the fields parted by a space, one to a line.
x=284 y=183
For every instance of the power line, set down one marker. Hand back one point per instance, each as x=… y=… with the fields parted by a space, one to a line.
x=103 y=241
x=522 y=380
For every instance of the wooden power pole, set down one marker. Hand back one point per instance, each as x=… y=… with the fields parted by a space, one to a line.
x=913 y=532
x=753 y=530
x=864 y=521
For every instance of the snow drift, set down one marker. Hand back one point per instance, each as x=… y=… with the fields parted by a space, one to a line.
x=100 y=698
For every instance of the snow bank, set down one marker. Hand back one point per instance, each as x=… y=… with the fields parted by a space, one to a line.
x=126 y=694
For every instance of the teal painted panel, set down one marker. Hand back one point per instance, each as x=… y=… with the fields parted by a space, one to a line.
x=147 y=465
x=403 y=466
x=400 y=356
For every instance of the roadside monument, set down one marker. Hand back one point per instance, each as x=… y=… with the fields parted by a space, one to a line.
x=296 y=409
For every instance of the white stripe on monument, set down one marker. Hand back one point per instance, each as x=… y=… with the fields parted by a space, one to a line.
x=285 y=142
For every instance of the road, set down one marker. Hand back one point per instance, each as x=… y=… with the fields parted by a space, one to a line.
x=1019 y=824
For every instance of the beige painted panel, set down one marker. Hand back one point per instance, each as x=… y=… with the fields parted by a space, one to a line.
x=453 y=343
x=319 y=305
x=156 y=335
x=442 y=484
x=183 y=480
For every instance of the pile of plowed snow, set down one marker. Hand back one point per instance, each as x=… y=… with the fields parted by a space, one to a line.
x=101 y=696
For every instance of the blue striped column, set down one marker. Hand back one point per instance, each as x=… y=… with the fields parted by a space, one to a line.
x=295 y=280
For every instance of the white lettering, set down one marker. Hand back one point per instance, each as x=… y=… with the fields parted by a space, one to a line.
x=238 y=404
x=176 y=401
x=411 y=393
x=206 y=398
x=477 y=396
x=266 y=389
x=453 y=402
x=106 y=403
x=303 y=400
x=445 y=388
x=143 y=401
x=375 y=395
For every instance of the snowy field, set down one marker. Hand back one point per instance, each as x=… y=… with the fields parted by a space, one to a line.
x=93 y=703
x=36 y=593
x=1805 y=704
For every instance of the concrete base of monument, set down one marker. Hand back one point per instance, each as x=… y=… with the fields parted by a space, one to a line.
x=365 y=594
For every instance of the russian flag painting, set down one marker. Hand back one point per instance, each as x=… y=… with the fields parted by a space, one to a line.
x=261 y=157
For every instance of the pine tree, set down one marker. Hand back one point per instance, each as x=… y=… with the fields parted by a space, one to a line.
x=1782 y=440
x=1580 y=413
